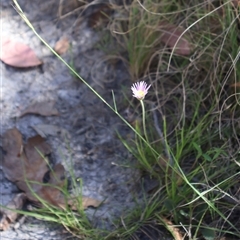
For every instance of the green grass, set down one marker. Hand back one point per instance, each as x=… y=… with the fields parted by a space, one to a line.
x=191 y=113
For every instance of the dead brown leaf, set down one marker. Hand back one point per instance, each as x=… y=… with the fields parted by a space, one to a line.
x=27 y=167
x=90 y=202
x=236 y=3
x=99 y=17
x=170 y=36
x=52 y=193
x=17 y=54
x=85 y=202
x=41 y=108
x=54 y=196
x=23 y=164
x=48 y=129
x=62 y=45
x=235 y=85
x=35 y=151
x=172 y=229
x=9 y=216
x=12 y=163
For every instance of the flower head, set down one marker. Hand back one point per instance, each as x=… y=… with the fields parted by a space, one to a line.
x=140 y=89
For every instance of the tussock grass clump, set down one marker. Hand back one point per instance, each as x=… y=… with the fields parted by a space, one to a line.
x=192 y=112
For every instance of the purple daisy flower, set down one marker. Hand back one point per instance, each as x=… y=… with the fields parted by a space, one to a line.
x=140 y=89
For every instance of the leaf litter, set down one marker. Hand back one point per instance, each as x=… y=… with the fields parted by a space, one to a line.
x=171 y=37
x=62 y=45
x=9 y=216
x=27 y=166
x=46 y=108
x=47 y=129
x=17 y=54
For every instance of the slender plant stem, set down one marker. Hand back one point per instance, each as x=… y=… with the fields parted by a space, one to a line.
x=19 y=10
x=144 y=120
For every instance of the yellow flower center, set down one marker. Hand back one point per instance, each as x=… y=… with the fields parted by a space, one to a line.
x=141 y=93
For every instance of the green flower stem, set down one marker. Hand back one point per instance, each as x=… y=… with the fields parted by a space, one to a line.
x=144 y=120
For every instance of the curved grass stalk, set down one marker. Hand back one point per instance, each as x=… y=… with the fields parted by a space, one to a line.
x=114 y=109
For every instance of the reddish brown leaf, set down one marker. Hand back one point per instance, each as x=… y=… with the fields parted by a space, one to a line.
x=170 y=36
x=36 y=145
x=52 y=193
x=62 y=45
x=235 y=85
x=26 y=166
x=17 y=54
x=236 y=3
x=85 y=203
x=57 y=175
x=90 y=202
x=99 y=17
x=55 y=197
x=35 y=150
x=41 y=108
x=12 y=162
x=12 y=140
